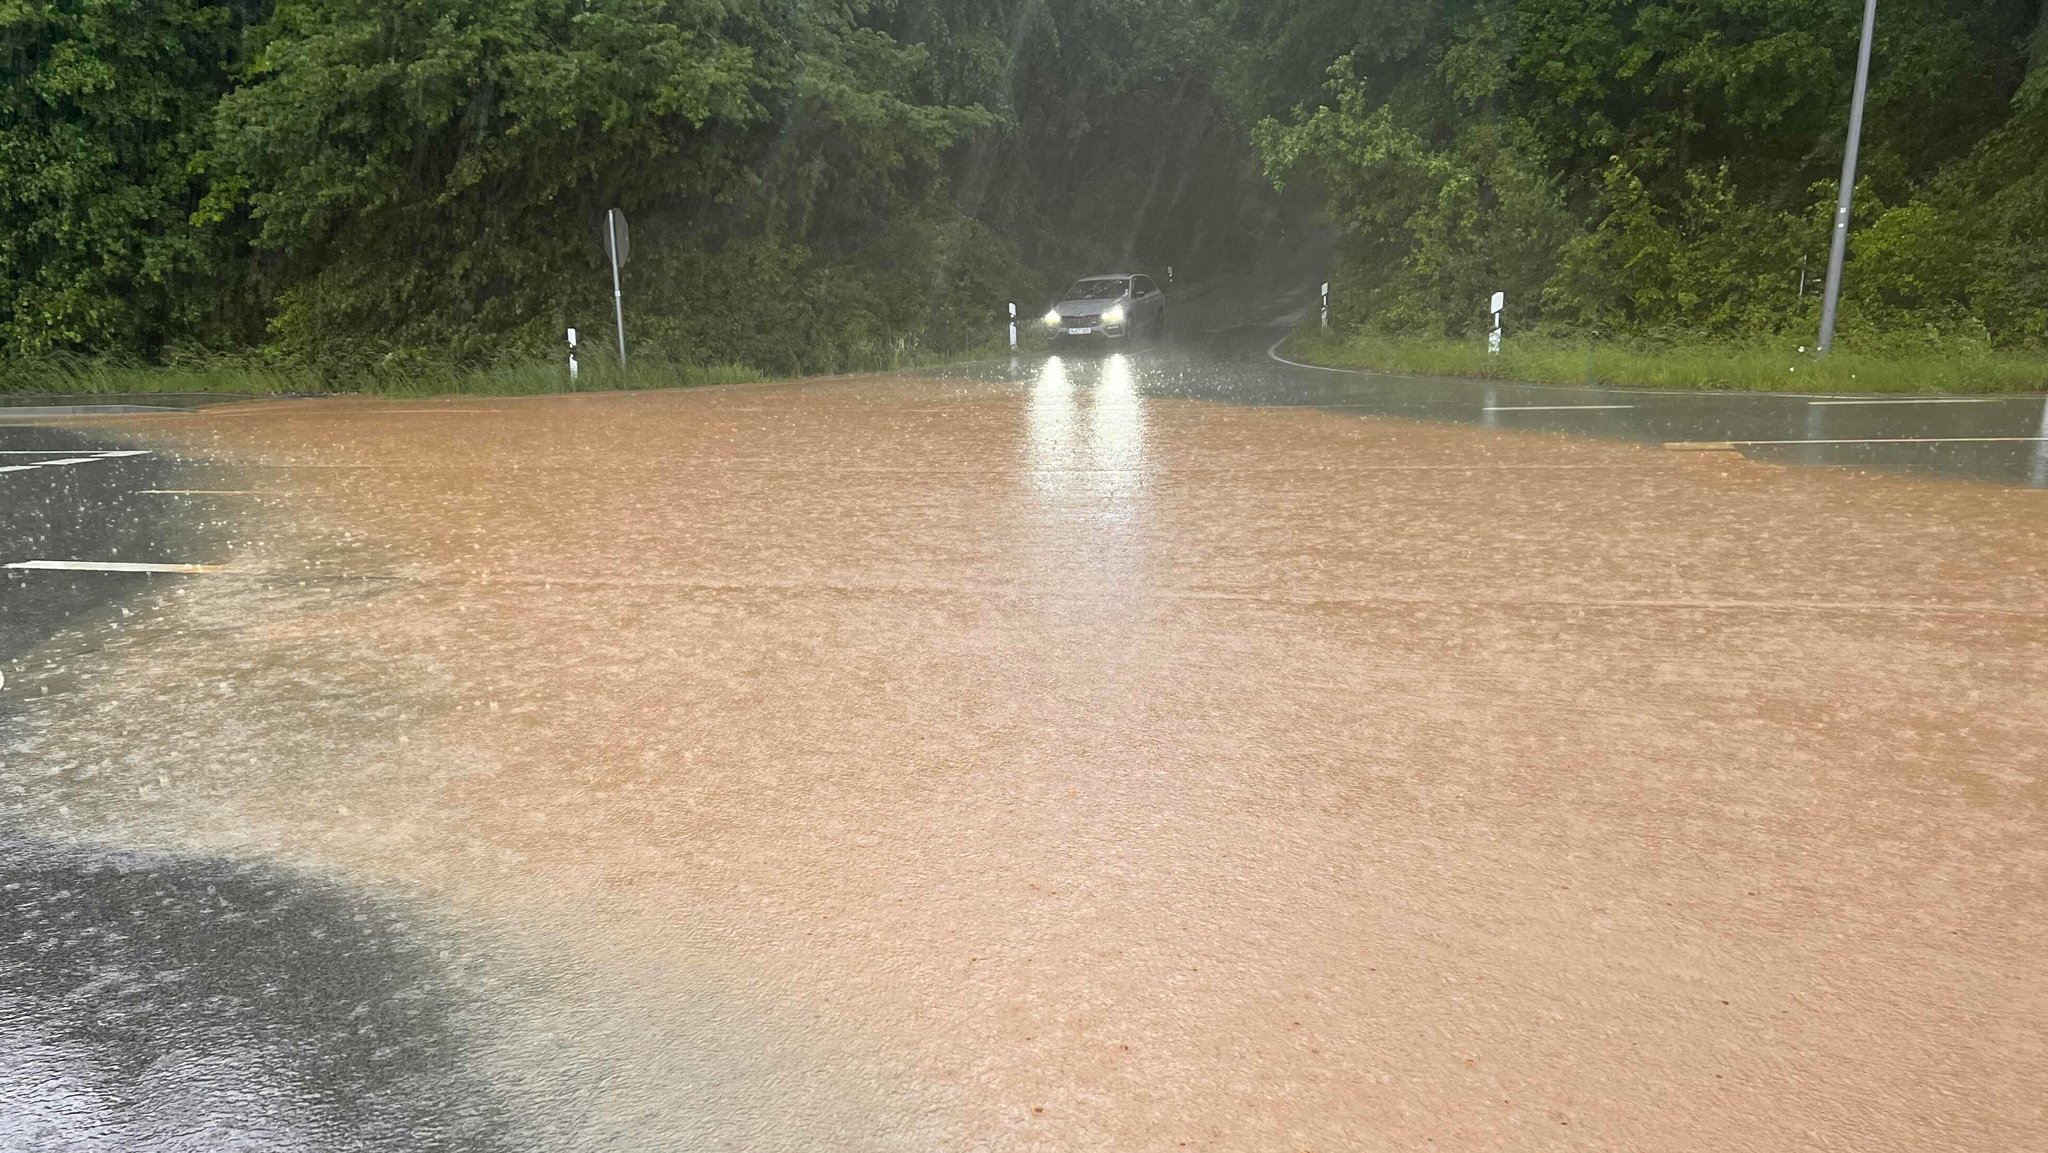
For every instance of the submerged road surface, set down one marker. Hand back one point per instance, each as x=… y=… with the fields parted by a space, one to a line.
x=1135 y=752
x=159 y=999
x=2002 y=439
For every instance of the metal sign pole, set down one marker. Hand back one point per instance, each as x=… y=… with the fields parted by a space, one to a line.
x=1831 y=296
x=615 y=226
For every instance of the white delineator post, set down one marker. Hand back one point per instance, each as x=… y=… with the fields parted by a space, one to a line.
x=1013 y=326
x=1500 y=301
x=1326 y=304
x=572 y=356
x=2040 y=474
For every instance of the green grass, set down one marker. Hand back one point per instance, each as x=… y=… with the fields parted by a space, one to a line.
x=252 y=375
x=77 y=376
x=598 y=373
x=909 y=359
x=249 y=376
x=1745 y=367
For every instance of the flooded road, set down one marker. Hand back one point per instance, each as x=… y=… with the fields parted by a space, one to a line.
x=2000 y=439
x=163 y=1000
x=1085 y=755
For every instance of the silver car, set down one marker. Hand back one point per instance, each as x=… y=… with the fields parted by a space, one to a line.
x=1116 y=306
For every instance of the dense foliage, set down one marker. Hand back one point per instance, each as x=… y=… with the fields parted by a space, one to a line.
x=384 y=185
x=1668 y=166
x=377 y=186
x=103 y=110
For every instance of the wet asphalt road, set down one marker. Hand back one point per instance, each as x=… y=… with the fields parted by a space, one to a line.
x=154 y=1001
x=2000 y=440
x=150 y=1001
x=66 y=498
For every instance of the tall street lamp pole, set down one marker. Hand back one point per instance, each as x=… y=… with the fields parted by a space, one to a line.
x=1832 y=296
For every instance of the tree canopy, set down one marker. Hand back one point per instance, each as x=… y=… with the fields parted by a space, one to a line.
x=1668 y=166
x=371 y=186
x=814 y=183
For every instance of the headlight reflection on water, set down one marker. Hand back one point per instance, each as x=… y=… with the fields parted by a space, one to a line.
x=1117 y=420
x=1101 y=477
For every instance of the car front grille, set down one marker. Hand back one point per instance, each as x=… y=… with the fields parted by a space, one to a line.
x=1089 y=321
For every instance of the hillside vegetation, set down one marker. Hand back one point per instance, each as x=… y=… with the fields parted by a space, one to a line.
x=1667 y=169
x=357 y=191
x=369 y=190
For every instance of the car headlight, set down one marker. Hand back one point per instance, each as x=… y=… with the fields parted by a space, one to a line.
x=1114 y=316
x=1052 y=319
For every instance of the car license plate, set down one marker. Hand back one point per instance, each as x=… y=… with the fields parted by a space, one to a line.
x=1079 y=331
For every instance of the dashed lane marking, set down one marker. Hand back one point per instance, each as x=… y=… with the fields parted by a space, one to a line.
x=42 y=411
x=1892 y=440
x=1918 y=400
x=1552 y=407
x=64 y=459
x=112 y=566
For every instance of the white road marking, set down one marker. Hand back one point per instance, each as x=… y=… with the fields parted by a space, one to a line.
x=64 y=459
x=47 y=463
x=205 y=492
x=1551 y=407
x=112 y=566
x=1924 y=400
x=1682 y=445
x=126 y=452
x=47 y=410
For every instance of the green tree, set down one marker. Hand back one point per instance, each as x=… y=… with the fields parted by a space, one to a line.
x=105 y=107
x=1664 y=166
x=433 y=174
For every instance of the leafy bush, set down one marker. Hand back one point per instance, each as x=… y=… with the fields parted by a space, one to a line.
x=1668 y=168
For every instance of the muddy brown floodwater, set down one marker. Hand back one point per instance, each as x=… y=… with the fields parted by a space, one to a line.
x=911 y=764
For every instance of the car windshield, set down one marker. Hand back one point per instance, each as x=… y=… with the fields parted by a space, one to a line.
x=1106 y=289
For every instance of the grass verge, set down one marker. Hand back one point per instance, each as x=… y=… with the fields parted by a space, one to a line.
x=1730 y=367
x=598 y=372
x=249 y=377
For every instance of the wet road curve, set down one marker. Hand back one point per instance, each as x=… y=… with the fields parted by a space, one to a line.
x=1998 y=439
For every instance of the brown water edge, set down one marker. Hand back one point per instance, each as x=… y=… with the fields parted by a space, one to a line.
x=1054 y=767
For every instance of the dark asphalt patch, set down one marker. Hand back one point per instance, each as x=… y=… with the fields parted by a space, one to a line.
x=151 y=1001
x=148 y=1002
